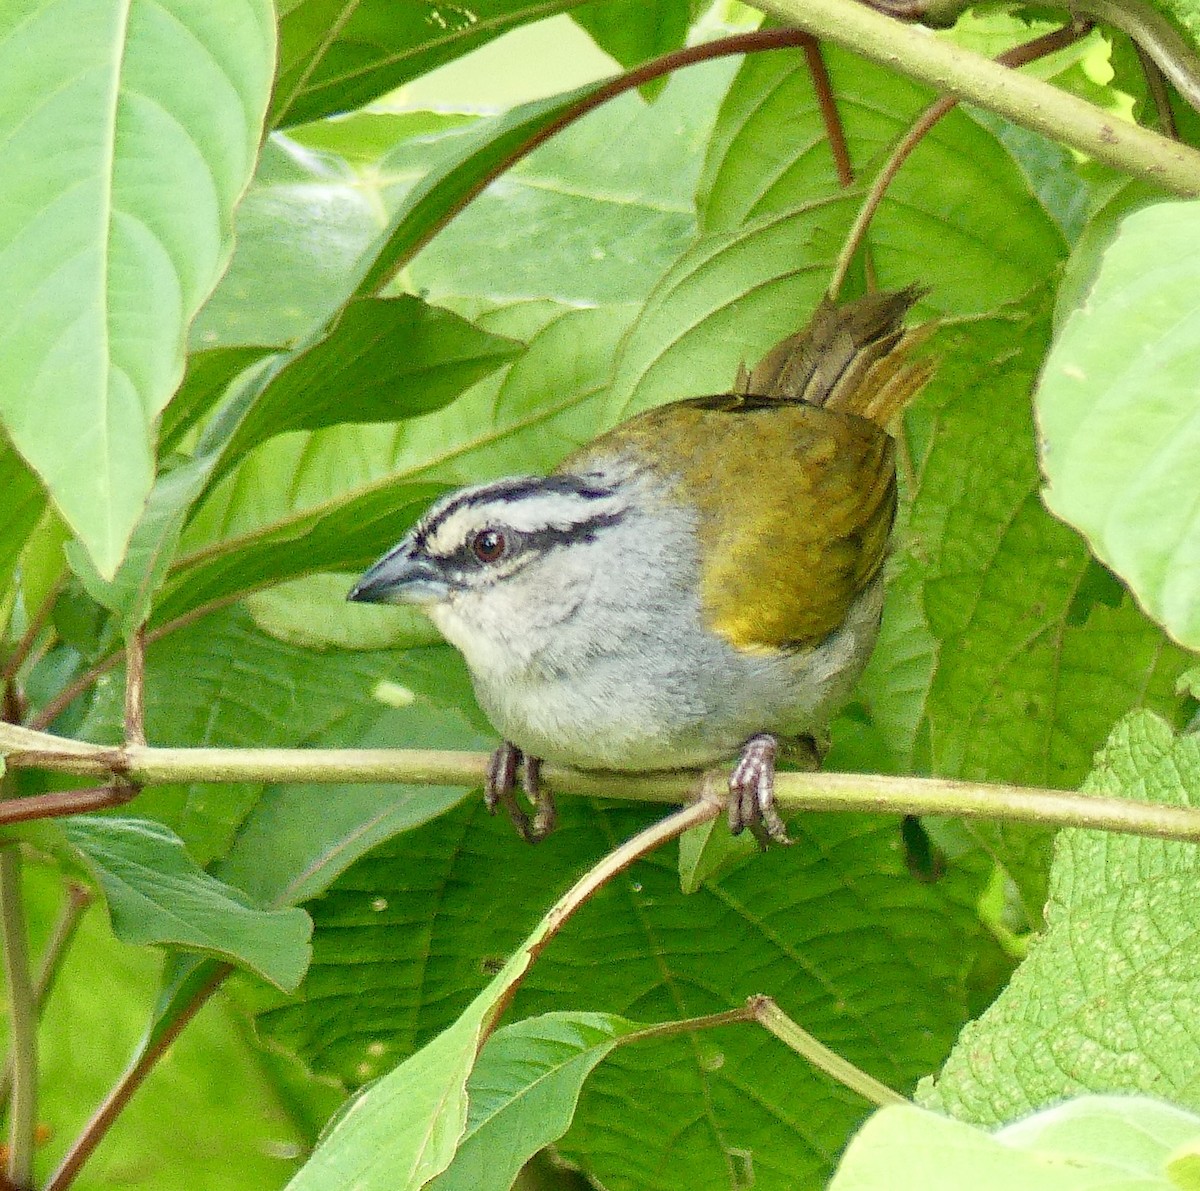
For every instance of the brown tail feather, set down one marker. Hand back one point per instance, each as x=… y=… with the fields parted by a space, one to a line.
x=852 y=357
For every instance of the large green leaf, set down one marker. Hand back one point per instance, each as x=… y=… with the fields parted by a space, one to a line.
x=959 y=217
x=1101 y=1004
x=1006 y=653
x=304 y=223
x=336 y=55
x=386 y=359
x=634 y=31
x=285 y=853
x=522 y=1093
x=1118 y=415
x=872 y=961
x=576 y=220
x=1095 y=1143
x=157 y=893
x=128 y=134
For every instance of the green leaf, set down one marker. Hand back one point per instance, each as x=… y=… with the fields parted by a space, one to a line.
x=1006 y=653
x=119 y=171
x=522 y=1094
x=575 y=220
x=959 y=217
x=284 y=854
x=1096 y=1006
x=22 y=506
x=634 y=31
x=336 y=55
x=209 y=375
x=348 y=536
x=386 y=359
x=304 y=223
x=151 y=548
x=469 y=163
x=404 y=1128
x=157 y=894
x=209 y=1115
x=1089 y=1144
x=872 y=962
x=708 y=852
x=1117 y=414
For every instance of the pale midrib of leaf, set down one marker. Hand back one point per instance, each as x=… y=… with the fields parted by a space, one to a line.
x=231 y=545
x=107 y=218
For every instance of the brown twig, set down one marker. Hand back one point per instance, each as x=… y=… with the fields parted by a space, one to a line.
x=135 y=687
x=61 y=803
x=1030 y=51
x=827 y=104
x=1156 y=84
x=741 y=43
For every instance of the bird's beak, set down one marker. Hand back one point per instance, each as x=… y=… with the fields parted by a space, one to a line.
x=399 y=578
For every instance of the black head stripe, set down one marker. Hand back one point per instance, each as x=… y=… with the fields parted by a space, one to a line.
x=512 y=490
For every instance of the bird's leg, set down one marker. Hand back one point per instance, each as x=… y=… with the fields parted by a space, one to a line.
x=545 y=813
x=752 y=792
x=499 y=787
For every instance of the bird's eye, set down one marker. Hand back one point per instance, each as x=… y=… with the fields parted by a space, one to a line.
x=488 y=545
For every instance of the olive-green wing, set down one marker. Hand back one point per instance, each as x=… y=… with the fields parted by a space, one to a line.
x=795 y=508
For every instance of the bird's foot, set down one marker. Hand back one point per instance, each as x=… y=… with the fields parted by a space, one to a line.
x=752 y=792
x=500 y=786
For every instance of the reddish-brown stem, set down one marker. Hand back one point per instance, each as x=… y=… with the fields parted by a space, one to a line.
x=827 y=103
x=65 y=802
x=1156 y=84
x=135 y=687
x=94 y=1131
x=1029 y=51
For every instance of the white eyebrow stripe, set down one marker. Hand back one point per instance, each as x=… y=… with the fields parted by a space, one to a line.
x=530 y=512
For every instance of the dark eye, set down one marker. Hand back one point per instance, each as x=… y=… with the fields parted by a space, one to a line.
x=488 y=545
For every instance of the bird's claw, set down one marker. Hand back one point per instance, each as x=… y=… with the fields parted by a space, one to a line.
x=752 y=792
x=500 y=786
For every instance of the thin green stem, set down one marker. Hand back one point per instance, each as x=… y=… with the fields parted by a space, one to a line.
x=881 y=793
x=768 y=1014
x=975 y=79
x=78 y=899
x=22 y=1019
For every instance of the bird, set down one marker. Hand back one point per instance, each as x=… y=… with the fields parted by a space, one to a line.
x=701 y=584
